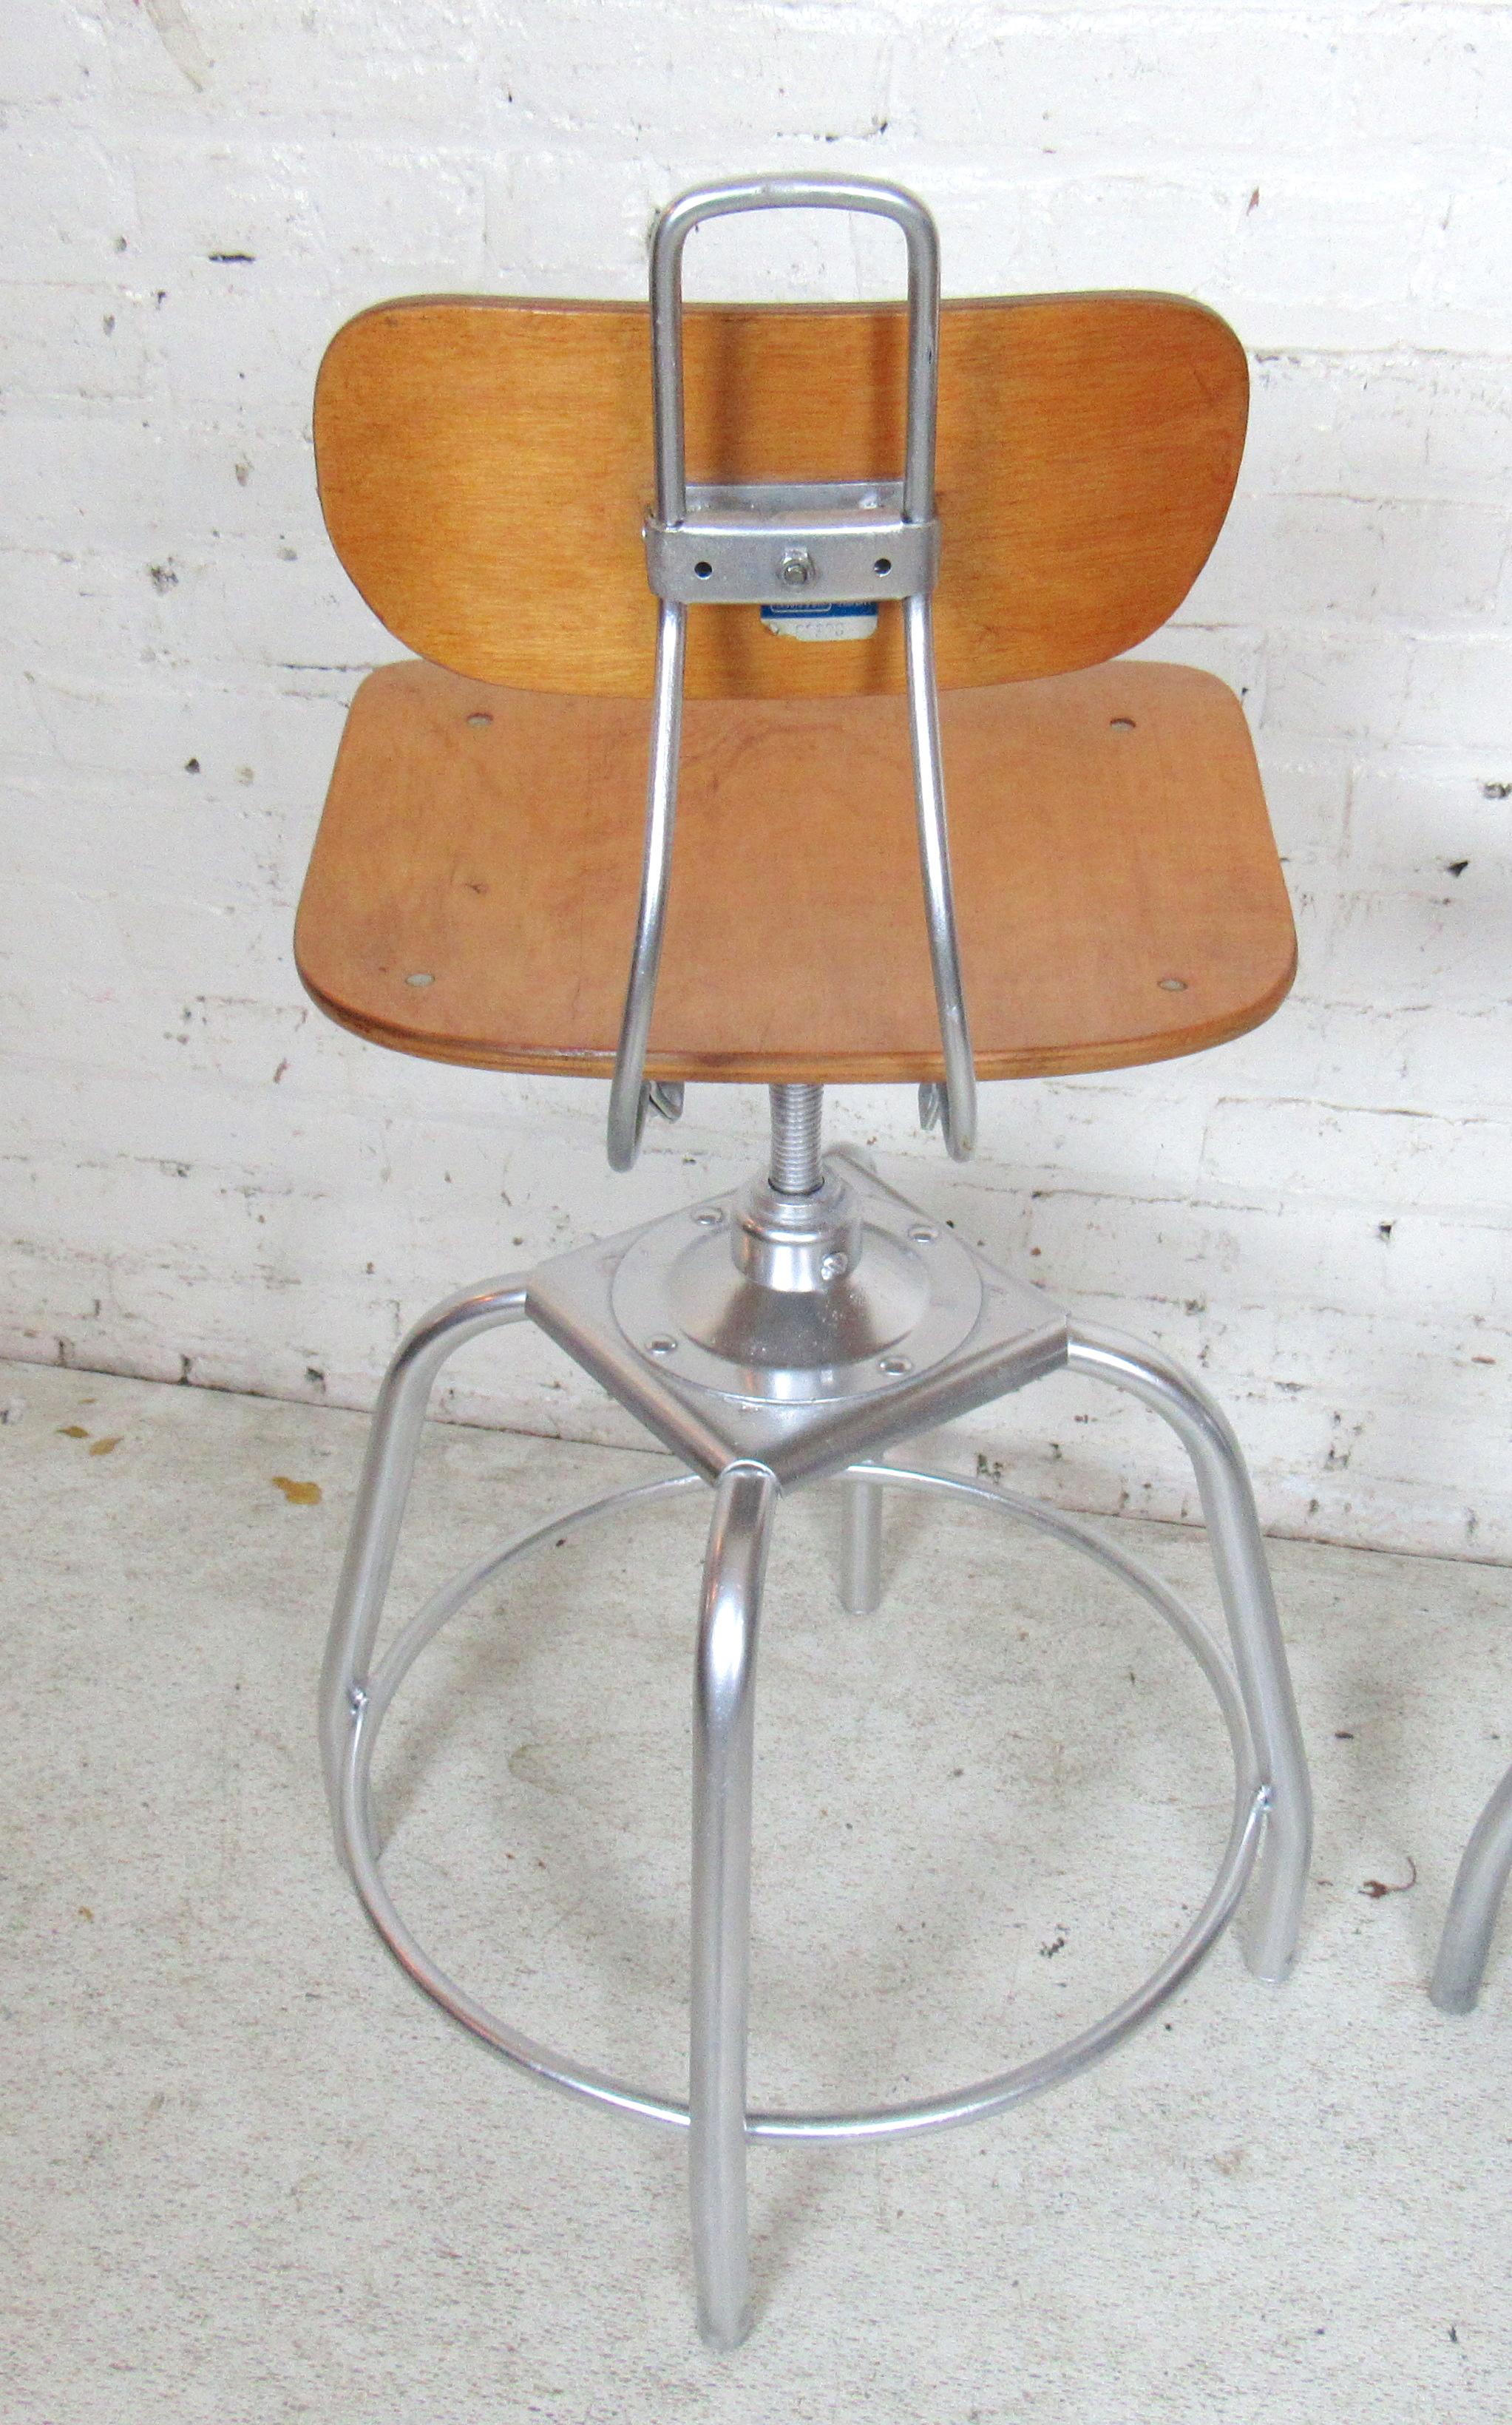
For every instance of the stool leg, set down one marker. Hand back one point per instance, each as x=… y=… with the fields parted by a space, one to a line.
x=381 y=1493
x=723 y=1715
x=1474 y=1906
x=1254 y=1630
x=861 y=1547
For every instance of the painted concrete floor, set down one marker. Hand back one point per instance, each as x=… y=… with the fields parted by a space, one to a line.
x=251 y=2175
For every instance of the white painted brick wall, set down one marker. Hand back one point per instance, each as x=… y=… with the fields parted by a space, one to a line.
x=202 y=1179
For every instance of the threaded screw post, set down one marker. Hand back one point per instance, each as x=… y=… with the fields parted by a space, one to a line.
x=797 y=1116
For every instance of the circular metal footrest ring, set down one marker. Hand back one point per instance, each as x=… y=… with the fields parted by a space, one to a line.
x=931 y=2113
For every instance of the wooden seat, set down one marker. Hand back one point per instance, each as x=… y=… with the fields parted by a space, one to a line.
x=484 y=468
x=473 y=890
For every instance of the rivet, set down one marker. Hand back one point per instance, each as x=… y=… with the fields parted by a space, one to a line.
x=660 y=1346
x=894 y=1364
x=480 y=716
x=922 y=1234
x=419 y=978
x=1173 y=985
x=708 y=1217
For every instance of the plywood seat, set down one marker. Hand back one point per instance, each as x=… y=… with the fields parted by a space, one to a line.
x=485 y=466
x=473 y=892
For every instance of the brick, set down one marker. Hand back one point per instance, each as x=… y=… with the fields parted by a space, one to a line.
x=402 y=207
x=1326 y=1150
x=65 y=202
x=1410 y=949
x=1424 y=78
x=1339 y=682
x=1457 y=692
x=1336 y=261
x=366 y=60
x=49 y=53
x=1321 y=557
x=1404 y=425
x=1158 y=80
x=816 y=72
x=117 y=481
x=1411 y=828
x=73 y=346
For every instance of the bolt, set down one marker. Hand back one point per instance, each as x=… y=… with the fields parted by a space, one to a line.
x=797 y=569
x=922 y=1234
x=661 y=1347
x=708 y=1217
x=834 y=1267
x=895 y=1364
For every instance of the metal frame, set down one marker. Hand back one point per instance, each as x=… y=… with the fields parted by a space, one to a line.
x=1480 y=1883
x=1270 y=1829
x=769 y=543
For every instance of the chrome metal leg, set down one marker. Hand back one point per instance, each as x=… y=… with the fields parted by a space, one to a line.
x=630 y=1098
x=861 y=1547
x=1479 y=1885
x=1254 y=1630
x=380 y=1502
x=723 y=1714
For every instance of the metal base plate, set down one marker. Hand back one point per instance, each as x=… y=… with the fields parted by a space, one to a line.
x=914 y=1294
x=649 y=1314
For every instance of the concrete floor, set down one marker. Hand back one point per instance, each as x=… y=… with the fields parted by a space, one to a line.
x=252 y=2176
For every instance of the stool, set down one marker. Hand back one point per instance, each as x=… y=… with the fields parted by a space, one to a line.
x=976 y=507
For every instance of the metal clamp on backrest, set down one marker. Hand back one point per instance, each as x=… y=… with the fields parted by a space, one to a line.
x=768 y=544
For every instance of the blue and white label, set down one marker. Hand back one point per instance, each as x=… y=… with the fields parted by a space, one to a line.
x=841 y=622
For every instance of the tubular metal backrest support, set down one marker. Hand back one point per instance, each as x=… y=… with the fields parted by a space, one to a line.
x=748 y=554
x=855 y=194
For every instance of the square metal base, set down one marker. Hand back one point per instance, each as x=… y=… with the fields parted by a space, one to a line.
x=1018 y=1334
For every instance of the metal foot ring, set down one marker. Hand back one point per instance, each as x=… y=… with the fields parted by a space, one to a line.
x=1251 y=1799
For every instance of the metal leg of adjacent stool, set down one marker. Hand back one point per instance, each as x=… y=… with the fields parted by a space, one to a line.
x=861 y=1547
x=1479 y=1885
x=1250 y=1604
x=723 y=1716
x=392 y=1446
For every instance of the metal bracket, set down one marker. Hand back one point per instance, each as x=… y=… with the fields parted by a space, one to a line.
x=773 y=544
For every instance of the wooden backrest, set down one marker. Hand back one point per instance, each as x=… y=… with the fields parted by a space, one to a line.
x=485 y=465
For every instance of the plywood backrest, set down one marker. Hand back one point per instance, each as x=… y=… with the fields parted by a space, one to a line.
x=485 y=466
